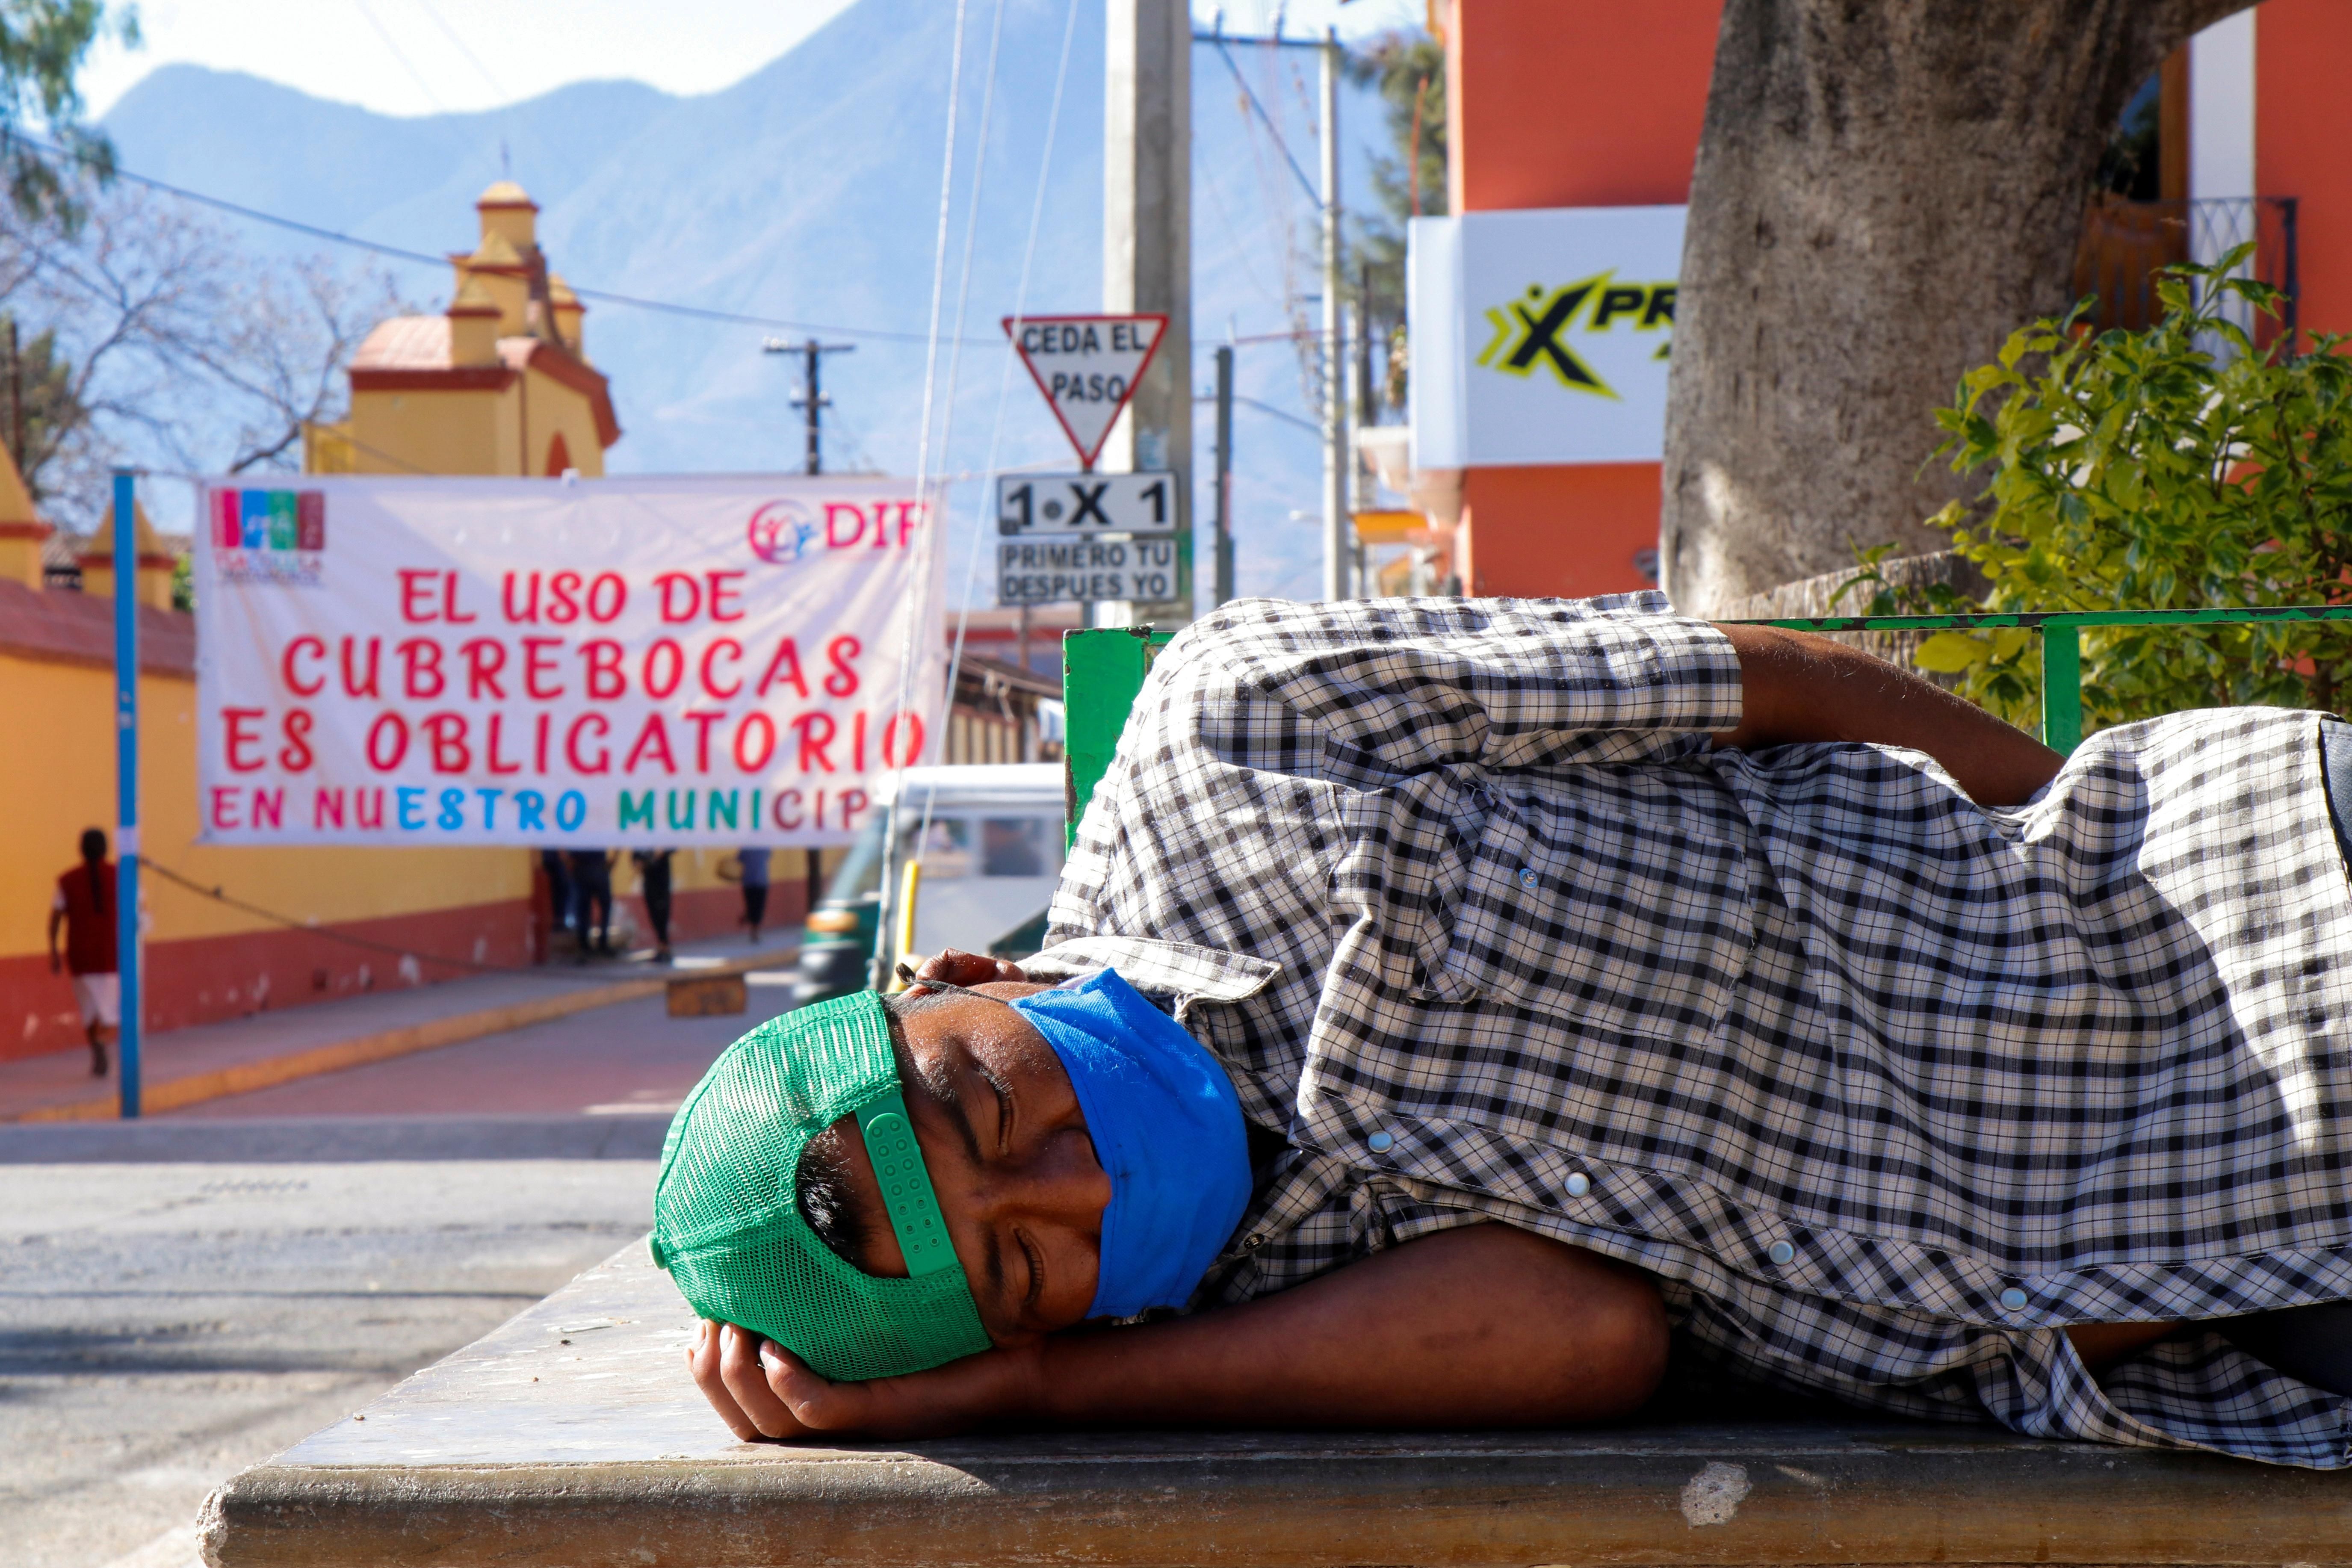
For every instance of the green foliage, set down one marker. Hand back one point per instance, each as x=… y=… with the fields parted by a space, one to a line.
x=41 y=406
x=1410 y=70
x=184 y=583
x=42 y=44
x=2147 y=470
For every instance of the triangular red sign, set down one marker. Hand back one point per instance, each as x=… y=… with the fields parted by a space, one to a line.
x=1087 y=367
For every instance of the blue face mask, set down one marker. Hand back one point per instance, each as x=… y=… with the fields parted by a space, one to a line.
x=1167 y=1128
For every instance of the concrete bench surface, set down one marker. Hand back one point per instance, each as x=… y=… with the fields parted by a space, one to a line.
x=572 y=1437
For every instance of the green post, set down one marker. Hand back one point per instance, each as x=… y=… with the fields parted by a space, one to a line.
x=2062 y=686
x=1102 y=675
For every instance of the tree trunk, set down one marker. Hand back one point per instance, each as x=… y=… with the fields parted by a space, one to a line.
x=1885 y=190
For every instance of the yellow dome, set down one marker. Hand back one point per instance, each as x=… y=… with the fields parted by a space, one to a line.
x=506 y=194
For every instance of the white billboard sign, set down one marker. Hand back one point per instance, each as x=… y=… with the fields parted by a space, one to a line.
x=1542 y=336
x=620 y=662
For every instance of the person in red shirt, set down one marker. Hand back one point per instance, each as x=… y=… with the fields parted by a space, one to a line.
x=85 y=907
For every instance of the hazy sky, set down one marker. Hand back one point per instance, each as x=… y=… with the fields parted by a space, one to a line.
x=421 y=57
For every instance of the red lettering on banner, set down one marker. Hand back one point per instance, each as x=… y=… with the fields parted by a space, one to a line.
x=416 y=592
x=914 y=748
x=656 y=685
x=224 y=798
x=812 y=743
x=295 y=756
x=563 y=598
x=785 y=666
x=735 y=654
x=853 y=801
x=399 y=732
x=491 y=747
x=596 y=597
x=857 y=742
x=529 y=611
x=353 y=686
x=604 y=763
x=702 y=719
x=538 y=659
x=654 y=737
x=416 y=669
x=671 y=584
x=326 y=808
x=834 y=511
x=485 y=657
x=268 y=808
x=750 y=765
x=539 y=751
x=842 y=682
x=447 y=733
x=285 y=666
x=361 y=800
x=909 y=514
x=602 y=657
x=240 y=736
x=777 y=811
x=721 y=588
x=449 y=601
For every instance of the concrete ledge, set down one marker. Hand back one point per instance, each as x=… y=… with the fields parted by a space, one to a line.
x=267 y=1072
x=571 y=1436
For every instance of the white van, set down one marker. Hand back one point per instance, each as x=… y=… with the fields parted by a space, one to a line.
x=991 y=850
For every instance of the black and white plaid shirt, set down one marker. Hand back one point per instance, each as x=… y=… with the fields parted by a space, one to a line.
x=1884 y=1086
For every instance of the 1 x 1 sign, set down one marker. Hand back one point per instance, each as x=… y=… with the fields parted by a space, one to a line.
x=1028 y=505
x=1087 y=367
x=1058 y=571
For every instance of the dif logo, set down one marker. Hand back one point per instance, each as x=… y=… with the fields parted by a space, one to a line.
x=281 y=520
x=781 y=532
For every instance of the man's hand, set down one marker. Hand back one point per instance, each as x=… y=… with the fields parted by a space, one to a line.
x=762 y=1389
x=1797 y=686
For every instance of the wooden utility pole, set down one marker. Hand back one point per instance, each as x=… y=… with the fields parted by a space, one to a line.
x=1147 y=257
x=813 y=400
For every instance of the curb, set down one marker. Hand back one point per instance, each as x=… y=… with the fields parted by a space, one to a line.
x=269 y=1072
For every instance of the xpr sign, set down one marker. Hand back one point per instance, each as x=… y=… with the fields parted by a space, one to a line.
x=1087 y=367
x=1032 y=504
x=1533 y=332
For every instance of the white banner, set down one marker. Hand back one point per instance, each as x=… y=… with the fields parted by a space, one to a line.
x=619 y=662
x=1542 y=336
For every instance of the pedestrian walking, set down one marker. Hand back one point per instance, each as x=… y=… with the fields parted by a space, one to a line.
x=755 y=889
x=561 y=914
x=653 y=882
x=84 y=906
x=591 y=896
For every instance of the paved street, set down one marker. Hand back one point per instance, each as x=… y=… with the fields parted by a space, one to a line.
x=184 y=1297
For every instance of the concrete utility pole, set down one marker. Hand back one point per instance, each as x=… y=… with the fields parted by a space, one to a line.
x=1224 y=480
x=1337 y=531
x=814 y=400
x=1148 y=256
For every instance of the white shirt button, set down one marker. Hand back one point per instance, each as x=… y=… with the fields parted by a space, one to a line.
x=2013 y=1299
x=1528 y=877
x=1381 y=1142
x=1579 y=1184
x=1781 y=1252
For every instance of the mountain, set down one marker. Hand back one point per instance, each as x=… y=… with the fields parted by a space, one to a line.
x=809 y=191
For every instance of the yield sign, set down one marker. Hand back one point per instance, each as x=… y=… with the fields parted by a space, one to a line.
x=1087 y=367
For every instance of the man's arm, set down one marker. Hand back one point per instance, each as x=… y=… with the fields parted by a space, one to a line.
x=57 y=919
x=1798 y=687
x=1483 y=1326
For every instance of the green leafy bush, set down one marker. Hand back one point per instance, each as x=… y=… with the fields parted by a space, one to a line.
x=2140 y=470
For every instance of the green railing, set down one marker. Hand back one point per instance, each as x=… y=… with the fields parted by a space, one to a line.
x=1103 y=670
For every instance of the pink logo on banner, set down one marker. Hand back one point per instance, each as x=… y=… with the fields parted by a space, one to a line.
x=781 y=532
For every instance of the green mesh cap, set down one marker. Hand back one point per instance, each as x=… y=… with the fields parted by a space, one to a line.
x=729 y=1231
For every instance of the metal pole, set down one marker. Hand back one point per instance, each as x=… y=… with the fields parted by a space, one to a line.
x=126 y=781
x=2062 y=687
x=1224 y=479
x=1335 y=354
x=816 y=462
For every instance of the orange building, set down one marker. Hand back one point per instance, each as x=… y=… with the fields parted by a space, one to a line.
x=498 y=384
x=1553 y=106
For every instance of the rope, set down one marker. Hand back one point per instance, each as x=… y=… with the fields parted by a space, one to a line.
x=916 y=606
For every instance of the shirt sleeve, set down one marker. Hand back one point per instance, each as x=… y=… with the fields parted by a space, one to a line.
x=1404 y=685
x=57 y=900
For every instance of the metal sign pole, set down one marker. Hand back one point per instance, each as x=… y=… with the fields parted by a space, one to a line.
x=126 y=782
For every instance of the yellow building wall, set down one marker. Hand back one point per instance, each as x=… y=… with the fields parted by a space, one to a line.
x=452 y=432
x=556 y=407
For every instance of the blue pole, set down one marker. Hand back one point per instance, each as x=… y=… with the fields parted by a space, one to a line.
x=126 y=779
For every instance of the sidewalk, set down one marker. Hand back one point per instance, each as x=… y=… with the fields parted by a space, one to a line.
x=187 y=1067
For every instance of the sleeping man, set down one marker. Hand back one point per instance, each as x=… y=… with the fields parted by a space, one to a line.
x=1450 y=1003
